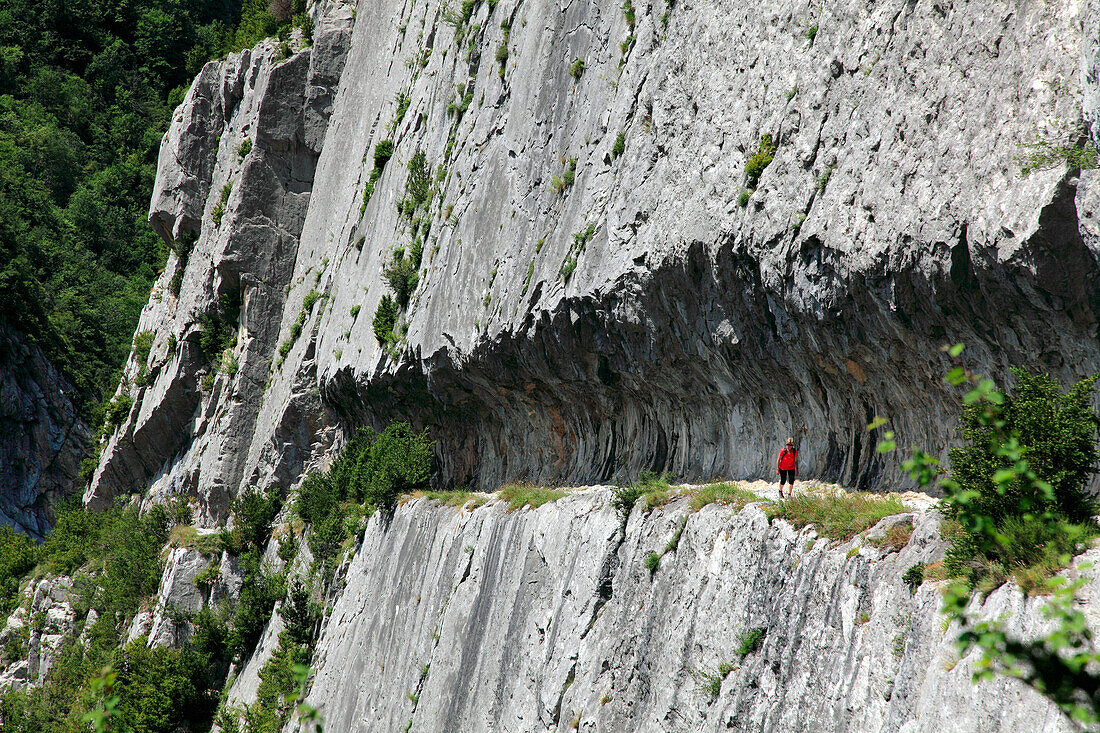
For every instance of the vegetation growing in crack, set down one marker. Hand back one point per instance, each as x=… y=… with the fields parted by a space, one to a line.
x=383 y=151
x=311 y=299
x=1046 y=153
x=627 y=44
x=402 y=271
x=619 y=147
x=755 y=165
x=751 y=641
x=182 y=249
x=370 y=473
x=502 y=49
x=143 y=344
x=219 y=208
x=560 y=183
x=580 y=241
x=895 y=538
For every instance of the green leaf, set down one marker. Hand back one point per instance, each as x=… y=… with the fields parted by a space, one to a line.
x=878 y=422
x=956 y=376
x=955 y=350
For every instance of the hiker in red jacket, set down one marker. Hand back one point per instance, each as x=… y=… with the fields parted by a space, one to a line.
x=787 y=467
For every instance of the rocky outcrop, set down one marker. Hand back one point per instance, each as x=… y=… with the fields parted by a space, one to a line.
x=606 y=285
x=42 y=438
x=603 y=287
x=37 y=631
x=548 y=619
x=235 y=168
x=178 y=597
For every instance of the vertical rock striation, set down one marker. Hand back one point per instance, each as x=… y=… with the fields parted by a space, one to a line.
x=603 y=286
x=549 y=620
x=42 y=438
x=233 y=186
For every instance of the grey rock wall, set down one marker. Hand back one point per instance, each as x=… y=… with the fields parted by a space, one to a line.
x=42 y=438
x=193 y=426
x=698 y=325
x=696 y=333
x=701 y=325
x=39 y=629
x=548 y=619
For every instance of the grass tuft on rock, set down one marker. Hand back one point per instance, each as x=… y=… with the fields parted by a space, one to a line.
x=526 y=494
x=457 y=498
x=838 y=517
x=895 y=538
x=726 y=493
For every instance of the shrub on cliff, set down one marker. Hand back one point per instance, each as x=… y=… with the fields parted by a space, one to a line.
x=1056 y=431
x=376 y=469
x=253 y=513
x=385 y=318
x=371 y=472
x=1013 y=521
x=759 y=160
x=1015 y=510
x=17 y=557
x=402 y=274
x=259 y=594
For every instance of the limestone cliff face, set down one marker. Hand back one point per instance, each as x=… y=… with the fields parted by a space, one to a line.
x=42 y=438
x=604 y=287
x=578 y=321
x=486 y=619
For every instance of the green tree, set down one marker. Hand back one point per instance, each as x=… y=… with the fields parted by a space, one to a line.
x=1058 y=664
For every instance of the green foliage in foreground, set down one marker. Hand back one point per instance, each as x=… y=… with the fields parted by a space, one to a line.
x=1019 y=521
x=838 y=517
x=114 y=558
x=1056 y=432
x=1058 y=664
x=17 y=556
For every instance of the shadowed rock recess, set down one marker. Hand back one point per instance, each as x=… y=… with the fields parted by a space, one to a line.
x=580 y=321
x=42 y=437
x=644 y=236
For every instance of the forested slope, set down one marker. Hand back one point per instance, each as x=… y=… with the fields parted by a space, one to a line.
x=86 y=92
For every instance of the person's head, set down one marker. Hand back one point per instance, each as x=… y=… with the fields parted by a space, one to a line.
x=790 y=442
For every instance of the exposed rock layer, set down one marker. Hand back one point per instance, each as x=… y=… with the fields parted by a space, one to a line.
x=534 y=620
x=42 y=438
x=699 y=323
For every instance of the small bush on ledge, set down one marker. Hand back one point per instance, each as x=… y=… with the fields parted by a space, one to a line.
x=524 y=494
x=838 y=517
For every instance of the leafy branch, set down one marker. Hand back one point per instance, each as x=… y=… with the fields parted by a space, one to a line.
x=1062 y=664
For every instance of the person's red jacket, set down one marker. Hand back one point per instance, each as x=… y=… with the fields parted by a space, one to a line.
x=788 y=459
